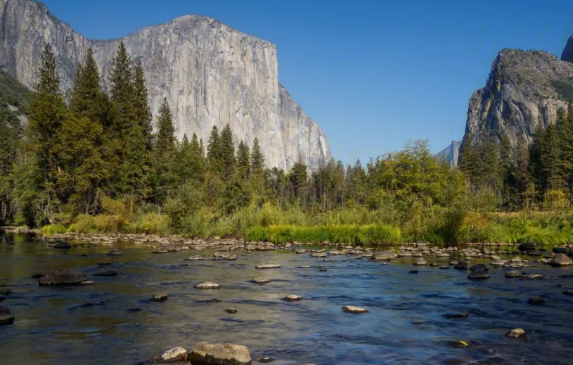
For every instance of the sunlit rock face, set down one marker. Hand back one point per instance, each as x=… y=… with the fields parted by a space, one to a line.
x=210 y=73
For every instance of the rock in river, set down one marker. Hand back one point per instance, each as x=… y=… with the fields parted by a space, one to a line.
x=353 y=309
x=456 y=315
x=385 y=256
x=220 y=354
x=536 y=300
x=106 y=273
x=479 y=267
x=478 y=275
x=2 y=298
x=62 y=245
x=231 y=310
x=512 y=274
x=207 y=285
x=261 y=280
x=561 y=260
x=292 y=298
x=176 y=354
x=159 y=297
x=515 y=333
x=6 y=291
x=267 y=266
x=420 y=262
x=62 y=277
x=6 y=318
x=461 y=265
x=114 y=253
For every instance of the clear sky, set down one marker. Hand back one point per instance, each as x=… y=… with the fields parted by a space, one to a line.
x=373 y=73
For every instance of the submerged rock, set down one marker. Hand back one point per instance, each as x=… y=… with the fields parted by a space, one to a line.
x=160 y=297
x=267 y=266
x=64 y=277
x=568 y=292
x=207 y=285
x=413 y=271
x=220 y=354
x=6 y=318
x=292 y=298
x=461 y=265
x=516 y=333
x=196 y=258
x=2 y=298
x=176 y=354
x=106 y=273
x=455 y=315
x=353 y=309
x=214 y=300
x=536 y=300
x=115 y=253
x=37 y=276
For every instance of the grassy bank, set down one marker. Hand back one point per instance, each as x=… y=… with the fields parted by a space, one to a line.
x=353 y=226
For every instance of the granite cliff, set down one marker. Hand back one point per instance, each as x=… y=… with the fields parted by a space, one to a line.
x=210 y=73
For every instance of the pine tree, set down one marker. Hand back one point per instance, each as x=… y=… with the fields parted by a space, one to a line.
x=141 y=105
x=243 y=161
x=165 y=152
x=298 y=177
x=48 y=79
x=87 y=97
x=214 y=152
x=197 y=161
x=228 y=153
x=122 y=93
x=257 y=168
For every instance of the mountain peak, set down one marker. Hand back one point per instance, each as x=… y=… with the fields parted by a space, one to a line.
x=567 y=54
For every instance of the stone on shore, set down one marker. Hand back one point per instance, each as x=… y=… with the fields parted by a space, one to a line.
x=353 y=309
x=159 y=297
x=385 y=255
x=63 y=277
x=176 y=354
x=292 y=298
x=220 y=354
x=207 y=285
x=6 y=318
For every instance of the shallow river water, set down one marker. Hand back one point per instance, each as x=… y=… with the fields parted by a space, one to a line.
x=92 y=324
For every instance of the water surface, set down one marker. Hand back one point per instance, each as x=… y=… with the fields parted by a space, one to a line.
x=93 y=324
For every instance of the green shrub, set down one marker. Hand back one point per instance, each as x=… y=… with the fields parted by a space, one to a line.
x=52 y=229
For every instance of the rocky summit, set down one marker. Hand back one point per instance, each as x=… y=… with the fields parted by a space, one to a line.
x=525 y=89
x=210 y=73
x=567 y=54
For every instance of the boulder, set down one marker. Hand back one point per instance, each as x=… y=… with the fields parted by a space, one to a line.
x=267 y=266
x=420 y=262
x=461 y=265
x=353 y=309
x=231 y=310
x=515 y=333
x=292 y=298
x=63 y=245
x=563 y=250
x=176 y=354
x=561 y=260
x=220 y=354
x=6 y=318
x=207 y=285
x=478 y=275
x=64 y=277
x=532 y=276
x=159 y=297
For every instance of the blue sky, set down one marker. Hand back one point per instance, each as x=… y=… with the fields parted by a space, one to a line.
x=373 y=74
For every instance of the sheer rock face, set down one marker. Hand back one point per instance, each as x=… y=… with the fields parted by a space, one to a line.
x=450 y=154
x=525 y=89
x=567 y=54
x=210 y=73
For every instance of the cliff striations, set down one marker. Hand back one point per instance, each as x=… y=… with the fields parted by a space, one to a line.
x=210 y=73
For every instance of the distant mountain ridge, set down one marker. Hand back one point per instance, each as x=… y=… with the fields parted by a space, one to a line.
x=210 y=73
x=450 y=153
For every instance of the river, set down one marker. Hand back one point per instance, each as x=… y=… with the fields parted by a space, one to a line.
x=405 y=324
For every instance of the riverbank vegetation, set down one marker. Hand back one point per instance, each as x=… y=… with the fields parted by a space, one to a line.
x=89 y=161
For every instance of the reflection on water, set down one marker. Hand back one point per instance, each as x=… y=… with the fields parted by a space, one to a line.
x=94 y=324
